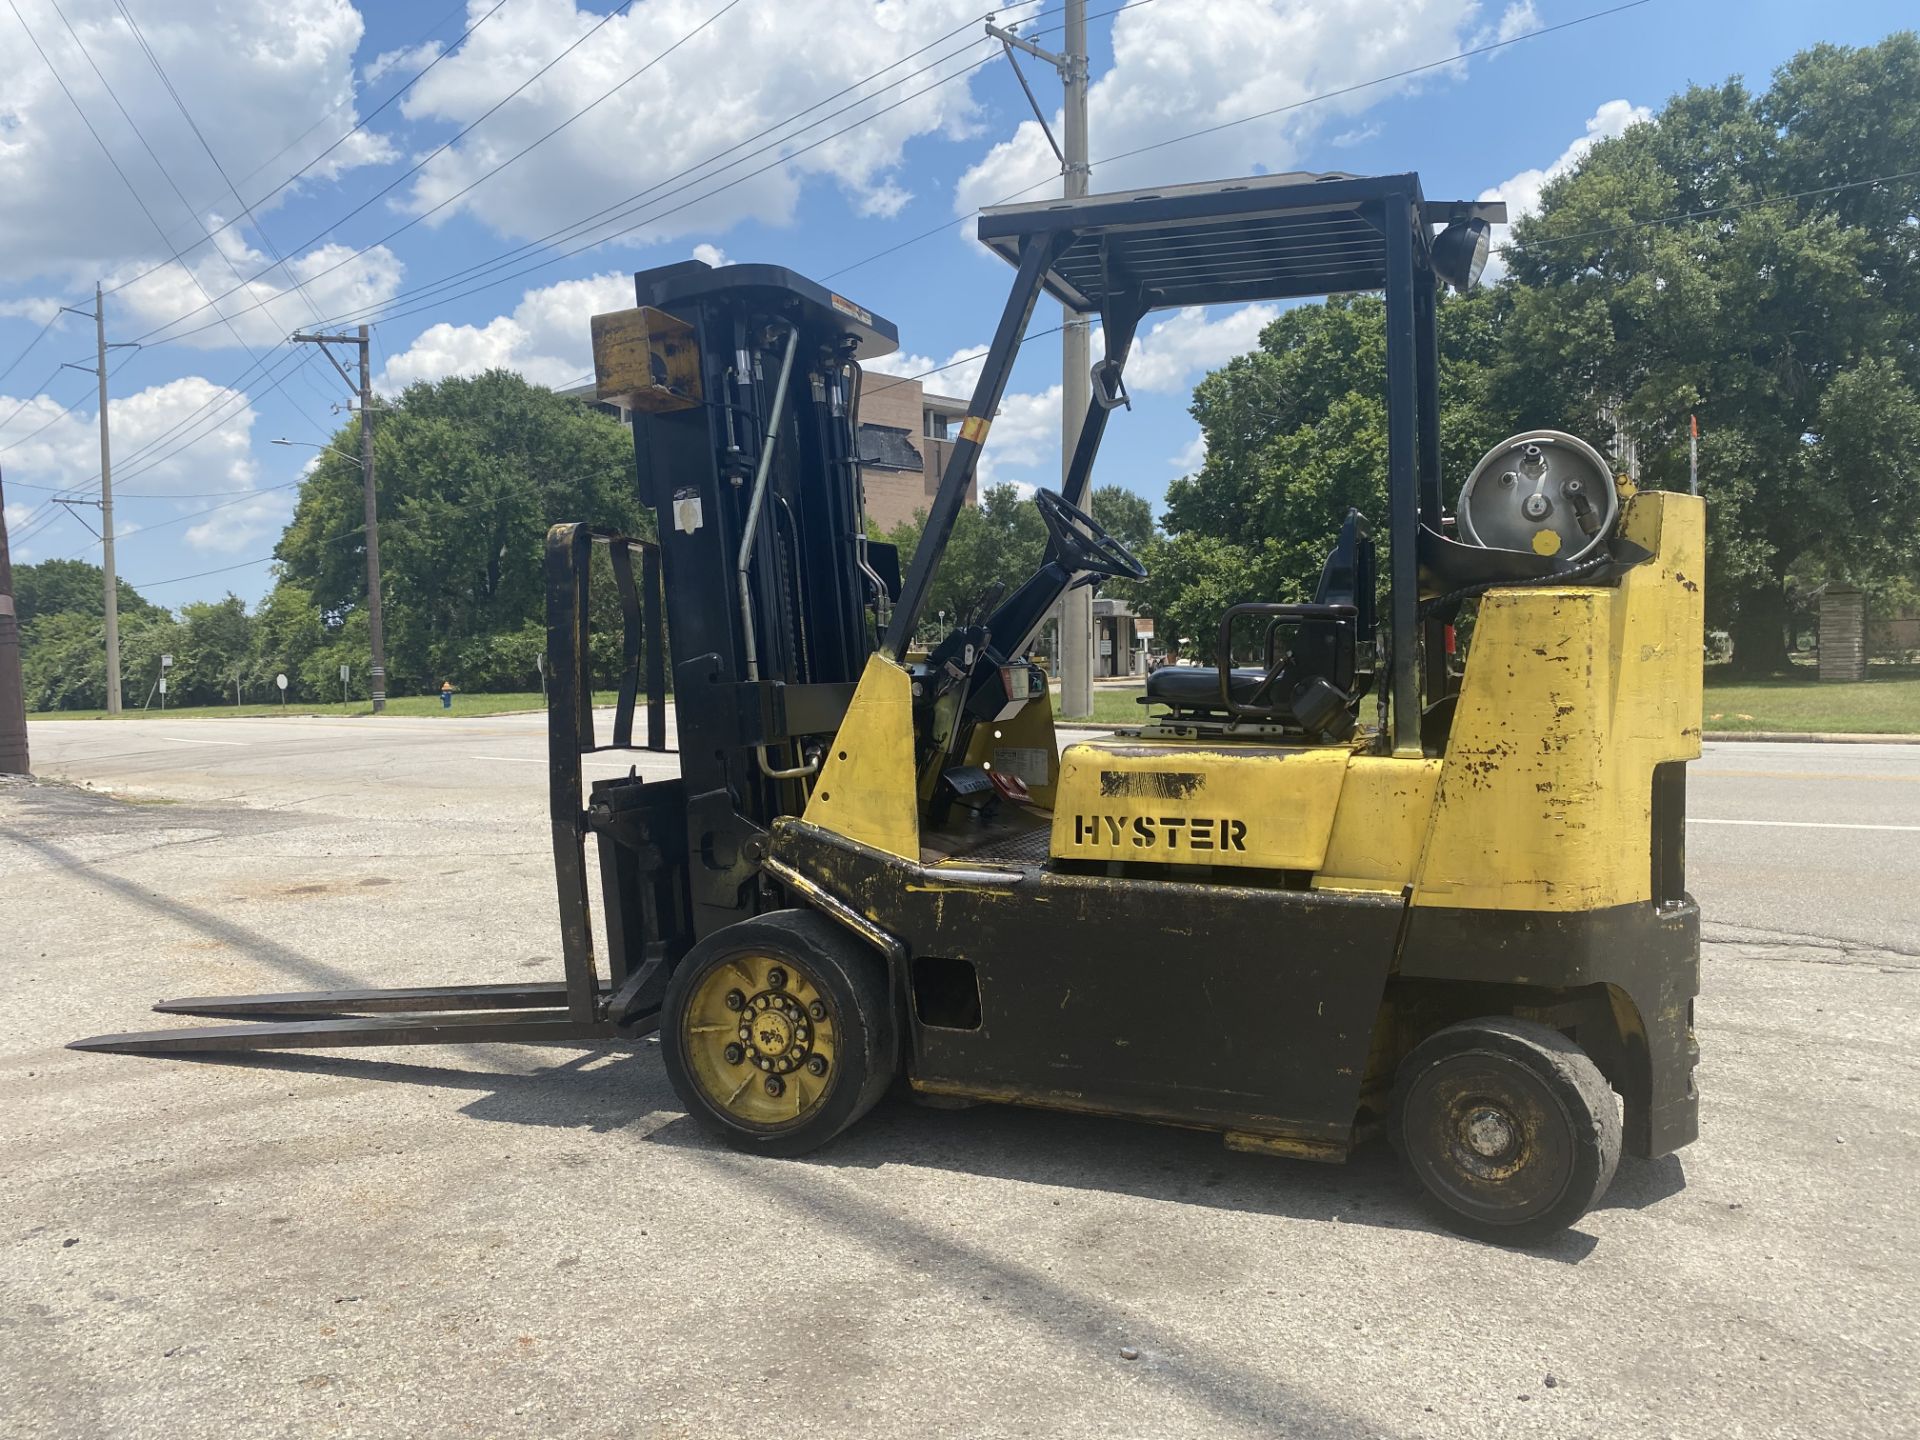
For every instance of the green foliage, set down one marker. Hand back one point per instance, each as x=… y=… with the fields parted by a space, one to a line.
x=59 y=587
x=995 y=545
x=1296 y=435
x=1791 y=328
x=1125 y=516
x=472 y=472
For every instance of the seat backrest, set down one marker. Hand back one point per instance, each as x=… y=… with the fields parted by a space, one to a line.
x=1348 y=576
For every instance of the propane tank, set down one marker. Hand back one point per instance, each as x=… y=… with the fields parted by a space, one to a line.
x=1544 y=492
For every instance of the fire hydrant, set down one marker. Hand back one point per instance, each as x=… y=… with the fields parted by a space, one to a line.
x=446 y=694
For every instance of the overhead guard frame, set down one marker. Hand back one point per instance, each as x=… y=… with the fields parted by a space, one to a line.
x=1272 y=237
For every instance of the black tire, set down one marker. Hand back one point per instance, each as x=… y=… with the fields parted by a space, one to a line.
x=1509 y=1126
x=852 y=983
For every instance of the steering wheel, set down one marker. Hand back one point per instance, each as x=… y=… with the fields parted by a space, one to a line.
x=1081 y=545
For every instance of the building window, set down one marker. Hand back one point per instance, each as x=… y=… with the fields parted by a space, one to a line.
x=939 y=426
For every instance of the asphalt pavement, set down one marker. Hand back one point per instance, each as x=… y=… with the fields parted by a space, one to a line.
x=534 y=1241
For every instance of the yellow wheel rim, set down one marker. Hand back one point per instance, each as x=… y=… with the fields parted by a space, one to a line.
x=760 y=1041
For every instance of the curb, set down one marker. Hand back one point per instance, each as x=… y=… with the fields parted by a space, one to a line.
x=1811 y=737
x=1801 y=737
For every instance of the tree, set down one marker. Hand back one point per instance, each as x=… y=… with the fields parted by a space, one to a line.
x=1790 y=326
x=63 y=644
x=59 y=587
x=1125 y=516
x=1296 y=435
x=472 y=473
x=995 y=545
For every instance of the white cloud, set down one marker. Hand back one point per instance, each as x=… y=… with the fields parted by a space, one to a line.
x=38 y=309
x=548 y=338
x=711 y=255
x=749 y=70
x=1192 y=455
x=16 y=515
x=66 y=454
x=333 y=280
x=1025 y=437
x=956 y=375
x=1179 y=68
x=1522 y=191
x=1176 y=352
x=1168 y=359
x=1515 y=20
x=417 y=58
x=256 y=77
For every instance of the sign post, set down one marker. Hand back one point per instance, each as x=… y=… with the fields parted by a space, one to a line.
x=166 y=664
x=281 y=681
x=345 y=670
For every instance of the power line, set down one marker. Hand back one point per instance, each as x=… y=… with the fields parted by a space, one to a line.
x=80 y=110
x=626 y=208
x=202 y=574
x=1259 y=115
x=232 y=189
x=357 y=127
x=657 y=215
x=620 y=208
x=15 y=363
x=422 y=163
x=192 y=214
x=494 y=170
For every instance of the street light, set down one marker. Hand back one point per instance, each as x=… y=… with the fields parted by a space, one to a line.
x=332 y=449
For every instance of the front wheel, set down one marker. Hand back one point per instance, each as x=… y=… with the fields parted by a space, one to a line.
x=778 y=1032
x=1509 y=1126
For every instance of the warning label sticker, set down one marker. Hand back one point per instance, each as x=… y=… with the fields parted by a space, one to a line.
x=1027 y=763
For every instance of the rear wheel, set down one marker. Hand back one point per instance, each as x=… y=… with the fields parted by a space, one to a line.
x=1509 y=1126
x=778 y=1032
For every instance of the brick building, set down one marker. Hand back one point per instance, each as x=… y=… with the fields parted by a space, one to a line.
x=905 y=438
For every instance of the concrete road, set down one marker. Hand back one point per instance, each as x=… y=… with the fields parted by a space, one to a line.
x=535 y=1241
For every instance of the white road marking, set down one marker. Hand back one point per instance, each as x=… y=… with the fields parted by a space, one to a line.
x=514 y=759
x=176 y=740
x=1801 y=824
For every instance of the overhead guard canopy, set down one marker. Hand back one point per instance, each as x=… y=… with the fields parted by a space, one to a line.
x=1270 y=237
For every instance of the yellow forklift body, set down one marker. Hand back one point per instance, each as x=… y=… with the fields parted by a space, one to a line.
x=867 y=790
x=1571 y=697
x=1237 y=806
x=1543 y=803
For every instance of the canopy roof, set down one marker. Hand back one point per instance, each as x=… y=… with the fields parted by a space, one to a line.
x=1270 y=237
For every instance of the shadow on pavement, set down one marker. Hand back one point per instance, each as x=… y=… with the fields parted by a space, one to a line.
x=606 y=1088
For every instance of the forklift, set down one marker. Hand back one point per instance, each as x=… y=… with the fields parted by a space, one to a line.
x=1460 y=924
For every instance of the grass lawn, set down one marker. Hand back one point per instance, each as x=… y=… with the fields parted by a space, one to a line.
x=420 y=705
x=1886 y=703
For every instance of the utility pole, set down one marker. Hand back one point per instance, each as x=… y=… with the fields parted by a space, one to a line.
x=13 y=699
x=1076 y=607
x=376 y=637
x=110 y=605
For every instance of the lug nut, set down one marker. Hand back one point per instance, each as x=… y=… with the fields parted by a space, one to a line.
x=793 y=1012
x=775 y=1086
x=776 y=979
x=817 y=1065
x=745 y=1033
x=735 y=1000
x=817 y=1010
x=765 y=1064
x=735 y=1054
x=800 y=1034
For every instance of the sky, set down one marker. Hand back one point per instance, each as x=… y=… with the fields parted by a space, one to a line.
x=477 y=180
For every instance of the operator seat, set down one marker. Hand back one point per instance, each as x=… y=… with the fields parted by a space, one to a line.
x=1311 y=685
